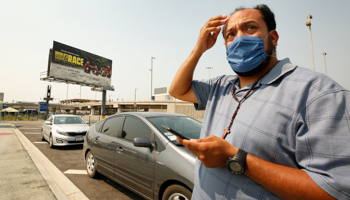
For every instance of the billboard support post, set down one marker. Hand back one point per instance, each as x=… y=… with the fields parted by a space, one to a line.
x=103 y=107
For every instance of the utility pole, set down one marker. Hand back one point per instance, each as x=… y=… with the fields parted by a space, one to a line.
x=312 y=51
x=325 y=66
x=209 y=70
x=151 y=74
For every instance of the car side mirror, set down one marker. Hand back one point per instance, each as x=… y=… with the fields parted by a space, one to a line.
x=87 y=122
x=48 y=123
x=142 y=142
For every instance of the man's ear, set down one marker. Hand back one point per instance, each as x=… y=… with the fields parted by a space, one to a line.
x=274 y=37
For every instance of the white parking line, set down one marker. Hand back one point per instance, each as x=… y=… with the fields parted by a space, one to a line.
x=75 y=171
x=31 y=133
x=29 y=128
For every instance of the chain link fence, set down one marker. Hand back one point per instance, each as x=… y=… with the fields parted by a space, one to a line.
x=38 y=116
x=22 y=117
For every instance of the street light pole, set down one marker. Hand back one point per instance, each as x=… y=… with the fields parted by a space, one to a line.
x=209 y=70
x=67 y=94
x=312 y=51
x=151 y=74
x=135 y=94
x=325 y=66
x=58 y=105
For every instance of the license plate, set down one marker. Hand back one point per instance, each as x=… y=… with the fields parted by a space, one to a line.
x=79 y=139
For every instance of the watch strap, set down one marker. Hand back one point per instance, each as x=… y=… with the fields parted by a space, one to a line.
x=240 y=159
x=241 y=156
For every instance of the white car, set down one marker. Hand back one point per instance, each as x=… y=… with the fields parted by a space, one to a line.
x=64 y=130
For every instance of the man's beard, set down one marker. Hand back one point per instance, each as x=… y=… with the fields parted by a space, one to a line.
x=263 y=65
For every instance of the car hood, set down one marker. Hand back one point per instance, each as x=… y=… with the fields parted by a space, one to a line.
x=73 y=127
x=185 y=150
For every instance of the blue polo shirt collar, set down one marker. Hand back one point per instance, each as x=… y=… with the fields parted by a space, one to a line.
x=280 y=69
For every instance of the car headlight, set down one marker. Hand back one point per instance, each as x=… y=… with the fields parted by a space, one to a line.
x=62 y=133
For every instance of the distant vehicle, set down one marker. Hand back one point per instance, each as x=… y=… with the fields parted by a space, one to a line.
x=63 y=130
x=133 y=150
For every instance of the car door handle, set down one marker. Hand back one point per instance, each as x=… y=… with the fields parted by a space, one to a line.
x=120 y=149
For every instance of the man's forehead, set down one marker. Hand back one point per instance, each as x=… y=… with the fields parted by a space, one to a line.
x=247 y=14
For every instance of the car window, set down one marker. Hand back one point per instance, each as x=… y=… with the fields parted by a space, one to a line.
x=98 y=125
x=135 y=128
x=57 y=120
x=112 y=126
x=184 y=125
x=68 y=120
x=159 y=144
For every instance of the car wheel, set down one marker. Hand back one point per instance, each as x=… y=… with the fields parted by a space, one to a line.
x=91 y=165
x=176 y=192
x=42 y=135
x=51 y=141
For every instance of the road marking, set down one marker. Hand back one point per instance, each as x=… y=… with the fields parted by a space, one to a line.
x=6 y=133
x=29 y=128
x=40 y=142
x=75 y=171
x=31 y=133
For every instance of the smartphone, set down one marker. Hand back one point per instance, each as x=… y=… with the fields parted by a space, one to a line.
x=174 y=132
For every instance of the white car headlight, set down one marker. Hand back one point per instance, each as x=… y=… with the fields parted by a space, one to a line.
x=62 y=133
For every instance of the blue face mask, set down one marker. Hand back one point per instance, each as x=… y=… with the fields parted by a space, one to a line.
x=245 y=53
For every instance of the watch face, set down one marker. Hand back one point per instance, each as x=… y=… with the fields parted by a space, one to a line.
x=236 y=167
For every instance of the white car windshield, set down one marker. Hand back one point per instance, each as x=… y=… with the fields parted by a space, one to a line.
x=68 y=120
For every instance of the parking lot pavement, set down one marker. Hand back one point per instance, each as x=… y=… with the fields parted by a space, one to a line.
x=30 y=171
x=66 y=163
x=19 y=177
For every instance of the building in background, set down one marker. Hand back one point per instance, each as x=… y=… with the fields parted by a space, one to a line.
x=162 y=94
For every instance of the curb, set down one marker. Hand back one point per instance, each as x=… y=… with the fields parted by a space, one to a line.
x=59 y=184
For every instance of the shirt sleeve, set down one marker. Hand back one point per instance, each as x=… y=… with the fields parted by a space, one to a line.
x=202 y=91
x=323 y=142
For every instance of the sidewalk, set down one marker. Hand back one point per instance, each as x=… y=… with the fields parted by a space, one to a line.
x=25 y=173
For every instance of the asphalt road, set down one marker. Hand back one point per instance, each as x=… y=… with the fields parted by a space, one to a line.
x=70 y=161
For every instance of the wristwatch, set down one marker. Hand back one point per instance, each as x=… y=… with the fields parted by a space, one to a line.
x=237 y=163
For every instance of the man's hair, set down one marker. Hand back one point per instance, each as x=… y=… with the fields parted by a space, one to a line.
x=267 y=16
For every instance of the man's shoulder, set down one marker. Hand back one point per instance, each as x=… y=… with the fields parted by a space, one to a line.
x=224 y=79
x=315 y=79
x=217 y=81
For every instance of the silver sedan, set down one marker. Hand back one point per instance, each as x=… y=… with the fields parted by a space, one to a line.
x=135 y=151
x=64 y=130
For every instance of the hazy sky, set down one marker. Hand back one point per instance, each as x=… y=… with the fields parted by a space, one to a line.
x=131 y=32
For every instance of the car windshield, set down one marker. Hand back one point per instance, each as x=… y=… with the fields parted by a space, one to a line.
x=68 y=120
x=186 y=126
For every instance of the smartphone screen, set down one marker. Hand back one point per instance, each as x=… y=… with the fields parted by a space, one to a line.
x=174 y=132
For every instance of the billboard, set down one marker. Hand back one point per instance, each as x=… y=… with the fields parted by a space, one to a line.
x=70 y=64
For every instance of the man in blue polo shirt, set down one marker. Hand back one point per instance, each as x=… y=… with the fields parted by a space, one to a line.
x=274 y=130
